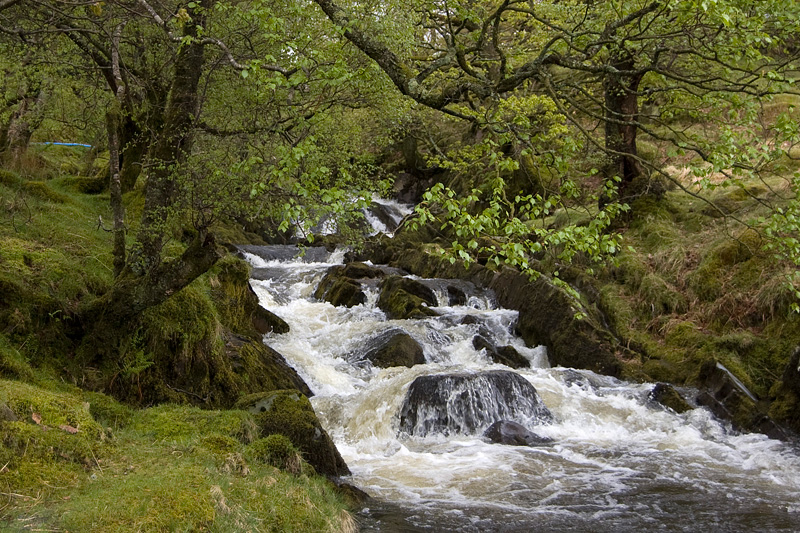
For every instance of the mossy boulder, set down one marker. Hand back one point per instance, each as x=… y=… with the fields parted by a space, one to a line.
x=265 y=321
x=394 y=348
x=343 y=284
x=236 y=301
x=786 y=407
x=402 y=298
x=289 y=413
x=341 y=292
x=262 y=366
x=199 y=347
x=730 y=400
x=278 y=451
x=666 y=395
x=575 y=334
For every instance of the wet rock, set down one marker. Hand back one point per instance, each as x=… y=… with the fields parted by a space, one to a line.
x=572 y=377
x=264 y=368
x=394 y=348
x=341 y=285
x=352 y=494
x=504 y=355
x=666 y=395
x=388 y=214
x=456 y=296
x=358 y=270
x=786 y=407
x=342 y=292
x=729 y=399
x=289 y=413
x=238 y=303
x=547 y=314
x=468 y=403
x=514 y=434
x=402 y=298
x=265 y=321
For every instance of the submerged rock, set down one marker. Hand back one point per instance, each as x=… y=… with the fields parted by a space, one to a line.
x=469 y=403
x=456 y=296
x=514 y=434
x=504 y=355
x=289 y=413
x=394 y=348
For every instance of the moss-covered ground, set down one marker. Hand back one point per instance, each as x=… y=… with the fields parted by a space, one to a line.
x=78 y=462
x=73 y=458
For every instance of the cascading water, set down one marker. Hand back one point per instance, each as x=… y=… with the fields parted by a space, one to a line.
x=617 y=462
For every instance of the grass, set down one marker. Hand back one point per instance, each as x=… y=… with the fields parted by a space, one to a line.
x=169 y=468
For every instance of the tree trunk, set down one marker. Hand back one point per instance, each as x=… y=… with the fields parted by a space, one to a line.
x=133 y=147
x=175 y=142
x=115 y=191
x=621 y=114
x=23 y=123
x=147 y=280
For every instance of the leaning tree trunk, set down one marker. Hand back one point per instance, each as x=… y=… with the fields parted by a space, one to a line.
x=621 y=116
x=147 y=280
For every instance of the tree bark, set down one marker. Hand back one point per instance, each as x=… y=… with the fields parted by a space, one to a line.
x=115 y=191
x=621 y=117
x=23 y=123
x=133 y=147
x=175 y=142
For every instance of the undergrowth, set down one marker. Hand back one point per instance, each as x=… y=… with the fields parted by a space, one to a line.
x=75 y=459
x=691 y=286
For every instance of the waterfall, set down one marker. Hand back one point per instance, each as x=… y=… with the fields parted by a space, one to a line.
x=616 y=461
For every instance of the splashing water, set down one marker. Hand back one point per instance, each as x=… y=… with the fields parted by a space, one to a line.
x=617 y=462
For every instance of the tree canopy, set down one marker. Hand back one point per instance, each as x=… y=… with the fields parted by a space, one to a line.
x=267 y=114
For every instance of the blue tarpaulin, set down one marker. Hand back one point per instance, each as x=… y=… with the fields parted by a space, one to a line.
x=65 y=144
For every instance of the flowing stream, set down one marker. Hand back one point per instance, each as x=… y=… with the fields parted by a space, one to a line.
x=617 y=462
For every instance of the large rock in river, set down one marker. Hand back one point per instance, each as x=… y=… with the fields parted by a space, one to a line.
x=406 y=298
x=342 y=284
x=576 y=336
x=729 y=399
x=394 y=348
x=290 y=413
x=468 y=403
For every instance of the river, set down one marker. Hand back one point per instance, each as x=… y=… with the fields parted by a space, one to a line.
x=617 y=462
